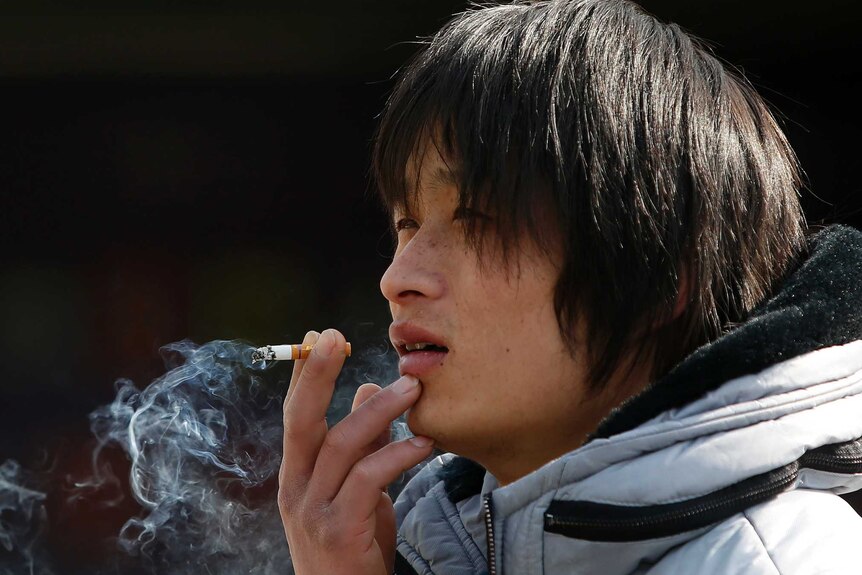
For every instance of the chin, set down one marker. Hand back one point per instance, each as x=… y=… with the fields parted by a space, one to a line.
x=422 y=420
x=416 y=420
x=438 y=426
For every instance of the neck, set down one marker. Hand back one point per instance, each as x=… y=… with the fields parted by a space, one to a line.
x=519 y=456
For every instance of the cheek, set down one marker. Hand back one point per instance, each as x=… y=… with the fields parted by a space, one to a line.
x=515 y=348
x=515 y=315
x=519 y=346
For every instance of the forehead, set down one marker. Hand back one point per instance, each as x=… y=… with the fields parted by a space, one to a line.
x=429 y=170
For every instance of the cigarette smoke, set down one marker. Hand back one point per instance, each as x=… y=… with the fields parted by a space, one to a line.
x=22 y=522
x=204 y=442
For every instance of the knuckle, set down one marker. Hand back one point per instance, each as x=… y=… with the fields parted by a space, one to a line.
x=323 y=526
x=292 y=435
x=287 y=501
x=362 y=473
x=336 y=440
x=291 y=491
x=377 y=402
x=295 y=510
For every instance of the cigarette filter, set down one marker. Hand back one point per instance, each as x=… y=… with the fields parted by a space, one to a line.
x=287 y=352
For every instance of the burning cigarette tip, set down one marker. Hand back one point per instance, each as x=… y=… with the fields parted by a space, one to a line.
x=289 y=352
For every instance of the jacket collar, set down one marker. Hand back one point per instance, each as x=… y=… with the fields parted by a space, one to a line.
x=819 y=305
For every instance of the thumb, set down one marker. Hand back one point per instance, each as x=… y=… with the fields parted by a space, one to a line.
x=363 y=394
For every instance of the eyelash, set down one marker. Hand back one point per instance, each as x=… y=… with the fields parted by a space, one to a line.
x=460 y=213
x=403 y=224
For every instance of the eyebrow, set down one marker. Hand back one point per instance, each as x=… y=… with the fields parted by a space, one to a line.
x=440 y=176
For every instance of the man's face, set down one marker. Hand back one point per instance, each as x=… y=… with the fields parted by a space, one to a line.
x=506 y=391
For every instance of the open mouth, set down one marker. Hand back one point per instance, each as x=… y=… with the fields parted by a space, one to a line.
x=420 y=349
x=421 y=359
x=417 y=347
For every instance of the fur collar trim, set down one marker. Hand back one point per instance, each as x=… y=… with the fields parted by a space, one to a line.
x=819 y=305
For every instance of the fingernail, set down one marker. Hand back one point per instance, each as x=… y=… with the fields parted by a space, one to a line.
x=421 y=441
x=406 y=384
x=325 y=344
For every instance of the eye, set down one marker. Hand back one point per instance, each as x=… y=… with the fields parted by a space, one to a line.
x=405 y=223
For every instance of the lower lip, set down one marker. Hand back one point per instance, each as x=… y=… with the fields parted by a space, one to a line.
x=421 y=363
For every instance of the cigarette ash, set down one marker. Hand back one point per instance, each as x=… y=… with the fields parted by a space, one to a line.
x=262 y=354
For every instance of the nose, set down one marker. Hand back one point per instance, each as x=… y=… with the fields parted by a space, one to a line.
x=415 y=273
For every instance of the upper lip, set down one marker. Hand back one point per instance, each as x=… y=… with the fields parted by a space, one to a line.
x=402 y=333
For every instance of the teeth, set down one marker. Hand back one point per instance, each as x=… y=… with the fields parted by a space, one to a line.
x=417 y=346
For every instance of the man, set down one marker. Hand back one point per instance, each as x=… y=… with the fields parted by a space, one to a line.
x=606 y=304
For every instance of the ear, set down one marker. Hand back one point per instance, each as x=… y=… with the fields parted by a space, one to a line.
x=682 y=298
x=683 y=292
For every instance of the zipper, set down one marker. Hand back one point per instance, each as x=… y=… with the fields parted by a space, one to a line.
x=489 y=534
x=840 y=458
x=604 y=522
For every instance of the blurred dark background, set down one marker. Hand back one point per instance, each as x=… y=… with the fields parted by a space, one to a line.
x=198 y=170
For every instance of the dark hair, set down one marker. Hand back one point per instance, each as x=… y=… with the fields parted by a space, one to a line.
x=655 y=161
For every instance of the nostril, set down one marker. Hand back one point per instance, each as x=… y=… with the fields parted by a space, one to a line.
x=408 y=293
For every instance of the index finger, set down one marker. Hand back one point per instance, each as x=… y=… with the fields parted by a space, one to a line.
x=309 y=339
x=305 y=411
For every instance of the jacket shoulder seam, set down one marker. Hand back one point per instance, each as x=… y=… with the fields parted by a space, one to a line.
x=751 y=524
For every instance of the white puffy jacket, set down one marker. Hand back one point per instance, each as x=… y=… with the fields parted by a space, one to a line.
x=732 y=463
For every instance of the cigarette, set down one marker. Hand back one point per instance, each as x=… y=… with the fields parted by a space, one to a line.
x=288 y=352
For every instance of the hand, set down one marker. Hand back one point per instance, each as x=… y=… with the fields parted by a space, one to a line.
x=332 y=495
